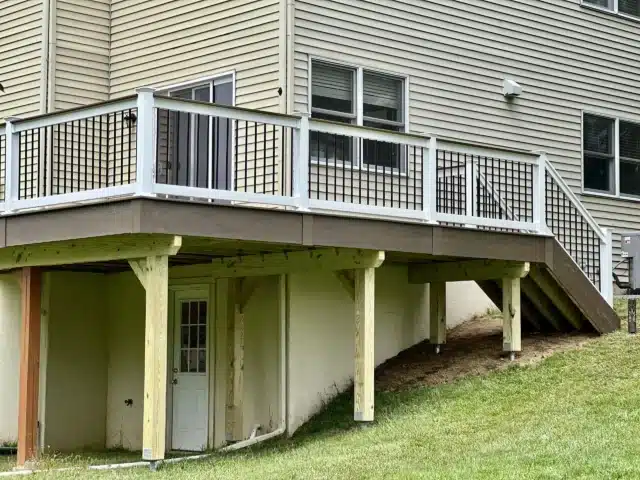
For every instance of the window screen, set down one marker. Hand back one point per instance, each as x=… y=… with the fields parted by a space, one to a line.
x=382 y=108
x=332 y=88
x=598 y=141
x=629 y=158
x=630 y=7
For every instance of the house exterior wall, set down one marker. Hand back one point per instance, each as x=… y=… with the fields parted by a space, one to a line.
x=95 y=351
x=261 y=399
x=464 y=300
x=125 y=377
x=20 y=56
x=456 y=55
x=82 y=41
x=10 y=324
x=322 y=335
x=76 y=373
x=160 y=43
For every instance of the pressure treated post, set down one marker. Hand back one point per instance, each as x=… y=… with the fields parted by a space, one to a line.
x=438 y=314
x=364 y=349
x=156 y=283
x=235 y=371
x=511 y=328
x=29 y=365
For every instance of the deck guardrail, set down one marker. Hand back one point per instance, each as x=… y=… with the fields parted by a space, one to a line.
x=149 y=145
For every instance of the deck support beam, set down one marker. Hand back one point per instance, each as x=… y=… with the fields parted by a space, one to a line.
x=511 y=315
x=363 y=385
x=438 y=314
x=153 y=273
x=457 y=271
x=31 y=282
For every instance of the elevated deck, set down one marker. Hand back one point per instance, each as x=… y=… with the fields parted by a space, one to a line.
x=233 y=181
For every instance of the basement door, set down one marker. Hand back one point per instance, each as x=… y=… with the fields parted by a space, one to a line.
x=190 y=371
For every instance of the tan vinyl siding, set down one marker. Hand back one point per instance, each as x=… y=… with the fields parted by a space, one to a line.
x=20 y=53
x=82 y=52
x=163 y=42
x=456 y=54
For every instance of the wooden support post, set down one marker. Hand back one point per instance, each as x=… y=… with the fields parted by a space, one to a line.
x=364 y=351
x=512 y=335
x=153 y=273
x=29 y=366
x=438 y=314
x=235 y=349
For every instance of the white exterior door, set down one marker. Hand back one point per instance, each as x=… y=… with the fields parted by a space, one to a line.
x=190 y=371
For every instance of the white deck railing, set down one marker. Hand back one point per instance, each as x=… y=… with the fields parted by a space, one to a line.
x=147 y=145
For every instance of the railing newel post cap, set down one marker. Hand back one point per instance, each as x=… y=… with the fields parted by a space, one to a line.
x=302 y=114
x=145 y=90
x=12 y=119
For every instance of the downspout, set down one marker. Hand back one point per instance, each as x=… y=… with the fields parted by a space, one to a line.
x=284 y=372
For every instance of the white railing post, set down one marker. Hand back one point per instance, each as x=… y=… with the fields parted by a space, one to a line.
x=470 y=179
x=300 y=162
x=539 y=194
x=145 y=161
x=430 y=181
x=12 y=163
x=606 y=266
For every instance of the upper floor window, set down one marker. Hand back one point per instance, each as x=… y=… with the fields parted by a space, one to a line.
x=626 y=7
x=382 y=105
x=611 y=155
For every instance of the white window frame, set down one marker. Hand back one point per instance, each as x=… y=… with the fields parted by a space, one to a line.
x=616 y=160
x=613 y=10
x=359 y=110
x=212 y=81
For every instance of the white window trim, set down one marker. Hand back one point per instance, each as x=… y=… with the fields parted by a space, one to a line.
x=610 y=11
x=212 y=80
x=616 y=160
x=359 y=110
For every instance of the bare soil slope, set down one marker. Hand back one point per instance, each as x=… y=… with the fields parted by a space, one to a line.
x=472 y=348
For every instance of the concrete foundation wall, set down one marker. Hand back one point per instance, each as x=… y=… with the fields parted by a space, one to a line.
x=10 y=321
x=76 y=383
x=261 y=366
x=125 y=372
x=321 y=333
x=464 y=300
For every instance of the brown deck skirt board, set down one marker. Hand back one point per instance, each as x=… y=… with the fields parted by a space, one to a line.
x=242 y=229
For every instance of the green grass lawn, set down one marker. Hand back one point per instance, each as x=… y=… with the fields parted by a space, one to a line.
x=574 y=415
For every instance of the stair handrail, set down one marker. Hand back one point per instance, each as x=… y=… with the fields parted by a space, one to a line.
x=562 y=185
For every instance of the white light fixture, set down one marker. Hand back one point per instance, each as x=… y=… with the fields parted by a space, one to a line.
x=510 y=88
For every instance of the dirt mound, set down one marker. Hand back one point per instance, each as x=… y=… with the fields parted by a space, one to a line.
x=472 y=348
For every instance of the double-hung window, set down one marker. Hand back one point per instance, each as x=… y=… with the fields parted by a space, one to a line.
x=625 y=7
x=611 y=155
x=334 y=96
